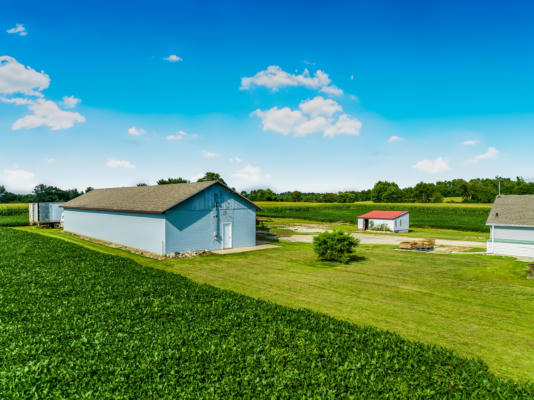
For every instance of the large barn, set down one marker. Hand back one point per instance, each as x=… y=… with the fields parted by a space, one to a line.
x=511 y=221
x=165 y=219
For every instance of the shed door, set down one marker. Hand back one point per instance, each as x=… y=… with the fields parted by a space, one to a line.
x=227 y=235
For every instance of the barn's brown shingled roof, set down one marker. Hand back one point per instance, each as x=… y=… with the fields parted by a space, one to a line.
x=512 y=210
x=142 y=199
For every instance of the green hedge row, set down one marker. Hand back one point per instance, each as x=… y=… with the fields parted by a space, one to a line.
x=444 y=217
x=80 y=324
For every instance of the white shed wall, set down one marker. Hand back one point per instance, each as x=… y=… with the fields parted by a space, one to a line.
x=401 y=224
x=376 y=222
x=514 y=233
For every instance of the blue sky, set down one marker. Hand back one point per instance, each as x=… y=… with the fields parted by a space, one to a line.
x=288 y=95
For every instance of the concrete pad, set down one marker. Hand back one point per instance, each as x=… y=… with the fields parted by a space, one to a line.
x=245 y=249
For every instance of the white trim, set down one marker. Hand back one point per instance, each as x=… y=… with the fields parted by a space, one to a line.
x=384 y=219
x=513 y=225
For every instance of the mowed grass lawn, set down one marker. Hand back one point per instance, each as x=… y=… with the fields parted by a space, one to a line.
x=479 y=306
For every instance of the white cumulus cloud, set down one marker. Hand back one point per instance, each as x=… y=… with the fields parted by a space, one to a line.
x=332 y=90
x=47 y=113
x=275 y=77
x=114 y=163
x=17 y=78
x=208 y=154
x=251 y=173
x=173 y=58
x=236 y=160
x=491 y=153
x=70 y=101
x=319 y=106
x=19 y=101
x=18 y=29
x=470 y=142
x=177 y=136
x=432 y=166
x=314 y=125
x=345 y=125
x=18 y=179
x=135 y=131
x=286 y=121
x=395 y=139
x=281 y=120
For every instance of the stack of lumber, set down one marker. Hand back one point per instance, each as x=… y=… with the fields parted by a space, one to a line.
x=407 y=245
x=423 y=244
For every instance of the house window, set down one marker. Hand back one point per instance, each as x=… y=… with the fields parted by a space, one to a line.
x=400 y=222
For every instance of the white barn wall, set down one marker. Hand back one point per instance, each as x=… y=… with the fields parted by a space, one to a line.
x=141 y=231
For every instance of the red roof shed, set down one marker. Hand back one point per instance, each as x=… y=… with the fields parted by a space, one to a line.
x=383 y=214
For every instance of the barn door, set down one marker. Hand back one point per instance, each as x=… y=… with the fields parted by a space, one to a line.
x=227 y=235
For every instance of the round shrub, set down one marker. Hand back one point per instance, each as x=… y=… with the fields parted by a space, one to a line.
x=334 y=246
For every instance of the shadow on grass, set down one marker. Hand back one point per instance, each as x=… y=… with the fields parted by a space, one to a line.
x=354 y=258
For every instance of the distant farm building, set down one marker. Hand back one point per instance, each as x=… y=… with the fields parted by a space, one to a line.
x=393 y=221
x=165 y=219
x=512 y=226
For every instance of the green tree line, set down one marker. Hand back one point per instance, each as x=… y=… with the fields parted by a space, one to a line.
x=480 y=190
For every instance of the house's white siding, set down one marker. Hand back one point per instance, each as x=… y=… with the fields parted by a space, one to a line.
x=510 y=249
x=512 y=241
x=514 y=233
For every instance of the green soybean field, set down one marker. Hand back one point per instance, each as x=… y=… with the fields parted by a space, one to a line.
x=81 y=324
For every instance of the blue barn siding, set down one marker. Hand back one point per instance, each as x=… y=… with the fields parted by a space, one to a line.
x=197 y=224
x=141 y=231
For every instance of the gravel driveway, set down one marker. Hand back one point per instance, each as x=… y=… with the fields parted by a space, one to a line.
x=369 y=238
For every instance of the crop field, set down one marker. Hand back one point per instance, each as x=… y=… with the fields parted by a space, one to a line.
x=14 y=214
x=82 y=324
x=467 y=217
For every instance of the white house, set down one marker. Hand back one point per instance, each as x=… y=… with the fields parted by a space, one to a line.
x=512 y=226
x=394 y=221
